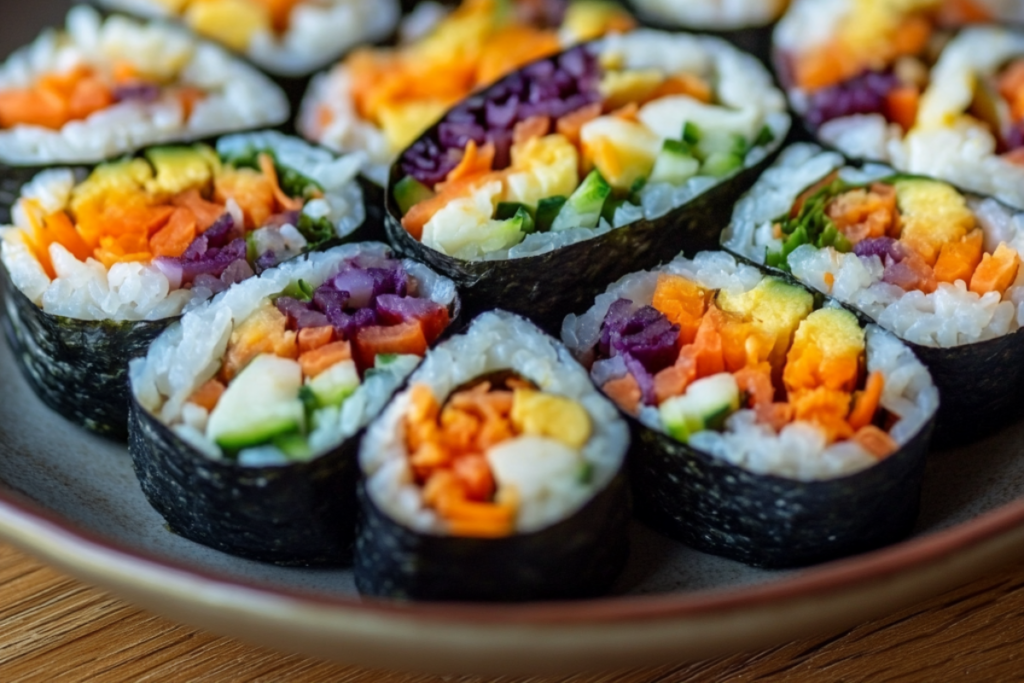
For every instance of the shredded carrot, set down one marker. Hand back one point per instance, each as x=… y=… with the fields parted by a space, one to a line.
x=830 y=280
x=285 y=202
x=866 y=404
x=533 y=127
x=997 y=271
x=173 y=239
x=875 y=441
x=625 y=392
x=683 y=84
x=708 y=343
x=475 y=475
x=316 y=361
x=475 y=162
x=312 y=338
x=189 y=98
x=959 y=260
x=206 y=213
x=627 y=112
x=901 y=106
x=407 y=338
x=208 y=395
x=571 y=124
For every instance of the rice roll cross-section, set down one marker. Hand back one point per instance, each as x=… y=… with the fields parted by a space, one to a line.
x=98 y=265
x=894 y=82
x=714 y=15
x=247 y=413
x=101 y=88
x=766 y=428
x=290 y=38
x=379 y=100
x=613 y=156
x=937 y=267
x=496 y=476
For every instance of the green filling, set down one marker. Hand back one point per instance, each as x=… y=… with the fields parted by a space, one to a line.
x=584 y=206
x=547 y=211
x=409 y=192
x=293 y=183
x=810 y=226
x=317 y=231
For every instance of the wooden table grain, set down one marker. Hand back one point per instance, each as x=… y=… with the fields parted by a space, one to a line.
x=53 y=628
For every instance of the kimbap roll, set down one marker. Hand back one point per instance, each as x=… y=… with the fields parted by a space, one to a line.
x=101 y=88
x=290 y=38
x=768 y=429
x=715 y=15
x=379 y=100
x=496 y=476
x=937 y=267
x=98 y=265
x=615 y=155
x=892 y=82
x=246 y=414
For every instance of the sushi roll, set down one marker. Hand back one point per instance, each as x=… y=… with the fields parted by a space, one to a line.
x=615 y=155
x=101 y=88
x=379 y=100
x=767 y=428
x=291 y=38
x=496 y=476
x=96 y=265
x=935 y=266
x=745 y=23
x=895 y=83
x=246 y=414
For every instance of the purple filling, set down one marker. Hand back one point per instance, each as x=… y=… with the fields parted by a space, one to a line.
x=551 y=87
x=881 y=247
x=645 y=339
x=137 y=92
x=359 y=296
x=863 y=94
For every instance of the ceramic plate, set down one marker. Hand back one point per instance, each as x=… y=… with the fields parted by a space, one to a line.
x=73 y=500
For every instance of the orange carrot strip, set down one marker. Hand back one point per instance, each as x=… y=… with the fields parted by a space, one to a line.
x=571 y=124
x=316 y=361
x=208 y=395
x=407 y=338
x=206 y=213
x=475 y=475
x=312 y=338
x=866 y=405
x=901 y=106
x=270 y=171
x=533 y=127
x=875 y=441
x=959 y=260
x=60 y=228
x=997 y=271
x=625 y=392
x=175 y=237
x=475 y=161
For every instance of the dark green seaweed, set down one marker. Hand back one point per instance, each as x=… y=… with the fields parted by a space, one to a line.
x=77 y=367
x=547 y=287
x=770 y=521
x=576 y=558
x=301 y=514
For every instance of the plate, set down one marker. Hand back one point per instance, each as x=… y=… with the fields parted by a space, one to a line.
x=72 y=500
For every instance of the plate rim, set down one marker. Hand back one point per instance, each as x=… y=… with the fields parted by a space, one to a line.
x=25 y=520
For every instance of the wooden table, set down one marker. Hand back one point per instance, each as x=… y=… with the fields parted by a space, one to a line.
x=54 y=628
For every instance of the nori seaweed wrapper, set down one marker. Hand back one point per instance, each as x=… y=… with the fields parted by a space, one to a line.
x=767 y=520
x=547 y=286
x=770 y=521
x=77 y=367
x=576 y=558
x=300 y=514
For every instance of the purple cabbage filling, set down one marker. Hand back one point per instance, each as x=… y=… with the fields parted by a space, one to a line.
x=365 y=293
x=645 y=340
x=551 y=87
x=863 y=94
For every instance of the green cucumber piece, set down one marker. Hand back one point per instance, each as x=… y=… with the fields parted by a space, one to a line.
x=691 y=133
x=335 y=384
x=583 y=208
x=705 y=406
x=409 y=192
x=721 y=164
x=295 y=446
x=547 y=211
x=675 y=164
x=260 y=404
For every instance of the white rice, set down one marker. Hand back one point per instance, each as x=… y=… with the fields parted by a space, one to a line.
x=238 y=97
x=189 y=353
x=713 y=14
x=318 y=32
x=949 y=316
x=742 y=82
x=495 y=341
x=137 y=291
x=799 y=451
x=945 y=142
